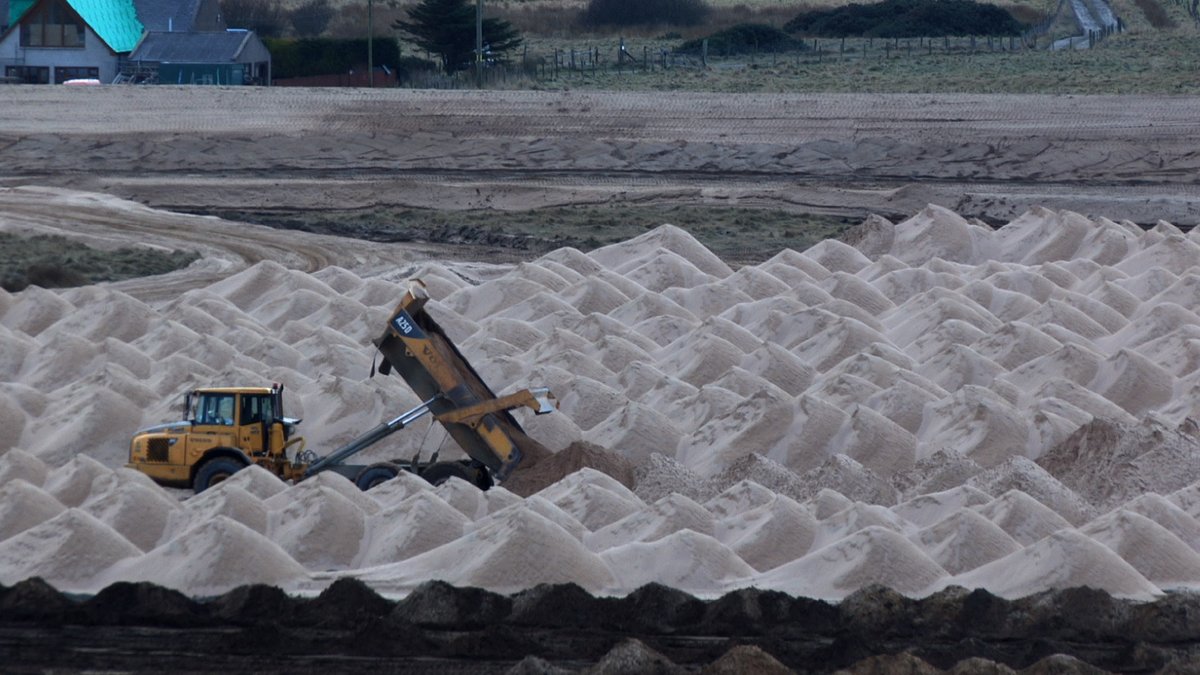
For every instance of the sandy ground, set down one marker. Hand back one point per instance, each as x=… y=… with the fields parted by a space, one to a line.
x=208 y=149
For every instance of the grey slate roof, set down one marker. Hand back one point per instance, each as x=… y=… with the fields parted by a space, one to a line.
x=215 y=47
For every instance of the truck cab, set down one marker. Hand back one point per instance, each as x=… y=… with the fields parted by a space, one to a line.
x=240 y=425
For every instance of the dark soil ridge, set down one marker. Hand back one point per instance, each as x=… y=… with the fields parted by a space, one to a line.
x=141 y=627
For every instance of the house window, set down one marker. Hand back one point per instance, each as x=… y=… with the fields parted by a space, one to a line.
x=54 y=24
x=63 y=74
x=29 y=74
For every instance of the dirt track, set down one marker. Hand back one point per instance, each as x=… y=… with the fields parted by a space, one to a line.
x=207 y=149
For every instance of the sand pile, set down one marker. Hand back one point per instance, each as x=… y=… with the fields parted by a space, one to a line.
x=938 y=386
x=1065 y=558
x=211 y=558
x=71 y=551
x=874 y=555
x=413 y=526
x=513 y=553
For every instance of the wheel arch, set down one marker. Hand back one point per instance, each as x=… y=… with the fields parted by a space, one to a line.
x=215 y=453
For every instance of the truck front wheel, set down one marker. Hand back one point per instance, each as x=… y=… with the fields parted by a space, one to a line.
x=215 y=471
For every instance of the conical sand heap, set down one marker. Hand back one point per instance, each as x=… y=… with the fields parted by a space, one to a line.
x=1011 y=409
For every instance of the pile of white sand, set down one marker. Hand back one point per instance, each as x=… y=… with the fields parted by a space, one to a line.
x=920 y=416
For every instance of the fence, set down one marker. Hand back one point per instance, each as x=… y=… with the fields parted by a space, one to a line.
x=564 y=63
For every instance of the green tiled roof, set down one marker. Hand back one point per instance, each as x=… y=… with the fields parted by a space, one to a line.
x=15 y=9
x=115 y=21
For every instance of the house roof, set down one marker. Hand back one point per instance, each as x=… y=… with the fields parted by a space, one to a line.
x=210 y=47
x=14 y=9
x=115 y=21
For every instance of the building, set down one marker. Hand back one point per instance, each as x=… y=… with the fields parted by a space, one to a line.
x=52 y=41
x=227 y=57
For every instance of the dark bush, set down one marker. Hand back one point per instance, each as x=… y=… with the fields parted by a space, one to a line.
x=645 y=12
x=265 y=17
x=907 y=18
x=311 y=18
x=744 y=38
x=325 y=56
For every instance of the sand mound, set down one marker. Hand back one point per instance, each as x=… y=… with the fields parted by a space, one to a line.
x=1024 y=518
x=964 y=540
x=770 y=534
x=305 y=491
x=1065 y=558
x=321 y=529
x=18 y=464
x=1022 y=474
x=461 y=495
x=928 y=509
x=528 y=480
x=685 y=560
x=740 y=497
x=669 y=514
x=72 y=484
x=213 y=557
x=512 y=554
x=853 y=518
x=1150 y=548
x=874 y=555
x=1162 y=511
x=138 y=512
x=227 y=499
x=71 y=551
x=24 y=505
x=258 y=482
x=542 y=507
x=411 y=527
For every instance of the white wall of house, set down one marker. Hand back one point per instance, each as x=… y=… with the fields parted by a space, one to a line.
x=94 y=54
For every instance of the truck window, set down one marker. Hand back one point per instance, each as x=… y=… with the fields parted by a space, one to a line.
x=215 y=409
x=256 y=409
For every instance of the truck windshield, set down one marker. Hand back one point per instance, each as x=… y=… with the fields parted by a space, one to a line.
x=215 y=409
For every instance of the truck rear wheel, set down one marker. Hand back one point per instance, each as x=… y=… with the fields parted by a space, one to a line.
x=443 y=471
x=374 y=475
x=215 y=471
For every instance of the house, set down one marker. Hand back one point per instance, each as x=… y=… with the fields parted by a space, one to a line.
x=52 y=41
x=226 y=57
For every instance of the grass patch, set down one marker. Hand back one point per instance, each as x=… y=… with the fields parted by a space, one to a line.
x=57 y=262
x=1130 y=63
x=738 y=235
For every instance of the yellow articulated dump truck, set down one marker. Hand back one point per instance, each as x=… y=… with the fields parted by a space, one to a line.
x=226 y=429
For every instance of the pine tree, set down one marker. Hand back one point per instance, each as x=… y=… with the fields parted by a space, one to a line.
x=447 y=28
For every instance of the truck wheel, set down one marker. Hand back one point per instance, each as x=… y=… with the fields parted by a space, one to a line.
x=374 y=475
x=215 y=471
x=443 y=471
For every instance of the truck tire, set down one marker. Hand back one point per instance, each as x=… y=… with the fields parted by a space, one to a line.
x=215 y=471
x=374 y=475
x=443 y=471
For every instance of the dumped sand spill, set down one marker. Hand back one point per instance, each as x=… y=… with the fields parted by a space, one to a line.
x=946 y=405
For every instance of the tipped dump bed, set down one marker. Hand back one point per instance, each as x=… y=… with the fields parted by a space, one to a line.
x=421 y=352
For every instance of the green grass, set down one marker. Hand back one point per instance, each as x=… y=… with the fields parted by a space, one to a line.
x=58 y=262
x=739 y=235
x=1165 y=62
